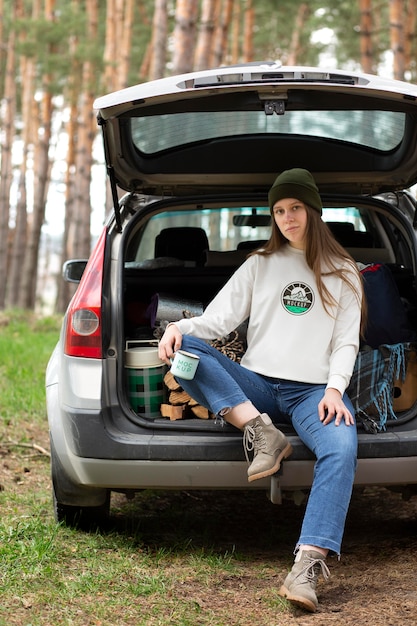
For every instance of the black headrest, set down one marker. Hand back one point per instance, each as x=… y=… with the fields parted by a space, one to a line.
x=187 y=243
x=251 y=244
x=348 y=237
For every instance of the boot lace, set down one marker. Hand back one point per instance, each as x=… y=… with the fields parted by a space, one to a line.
x=311 y=570
x=253 y=439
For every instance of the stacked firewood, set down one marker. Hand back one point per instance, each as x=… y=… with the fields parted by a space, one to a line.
x=180 y=404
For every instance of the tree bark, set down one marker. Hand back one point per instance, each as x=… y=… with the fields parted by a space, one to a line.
x=396 y=17
x=206 y=35
x=219 y=55
x=65 y=290
x=159 y=40
x=110 y=51
x=295 y=45
x=235 y=47
x=249 y=22
x=366 y=50
x=3 y=45
x=9 y=113
x=125 y=44
x=410 y=29
x=19 y=239
x=184 y=36
x=79 y=230
x=27 y=295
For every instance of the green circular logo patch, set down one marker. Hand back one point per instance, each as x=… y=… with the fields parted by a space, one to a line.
x=297 y=298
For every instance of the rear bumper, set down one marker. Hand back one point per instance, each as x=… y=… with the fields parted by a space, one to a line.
x=105 y=449
x=109 y=434
x=294 y=475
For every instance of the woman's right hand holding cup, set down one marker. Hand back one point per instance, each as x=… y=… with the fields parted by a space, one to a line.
x=170 y=342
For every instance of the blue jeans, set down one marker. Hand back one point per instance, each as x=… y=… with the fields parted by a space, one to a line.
x=221 y=383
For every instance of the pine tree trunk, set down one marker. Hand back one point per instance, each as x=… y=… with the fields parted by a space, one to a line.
x=79 y=229
x=9 y=112
x=219 y=54
x=3 y=47
x=410 y=29
x=19 y=240
x=367 y=60
x=65 y=290
x=206 y=35
x=27 y=296
x=396 y=17
x=295 y=45
x=235 y=53
x=125 y=44
x=249 y=22
x=184 y=36
x=159 y=40
x=110 y=51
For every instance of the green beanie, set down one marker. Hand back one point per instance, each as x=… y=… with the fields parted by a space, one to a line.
x=296 y=183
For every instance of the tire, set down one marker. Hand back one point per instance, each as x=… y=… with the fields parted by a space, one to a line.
x=89 y=508
x=81 y=517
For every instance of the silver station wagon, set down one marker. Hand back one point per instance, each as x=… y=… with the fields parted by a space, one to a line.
x=195 y=156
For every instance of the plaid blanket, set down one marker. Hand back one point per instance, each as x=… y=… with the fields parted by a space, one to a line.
x=372 y=382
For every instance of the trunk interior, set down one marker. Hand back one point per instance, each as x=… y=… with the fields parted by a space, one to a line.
x=176 y=261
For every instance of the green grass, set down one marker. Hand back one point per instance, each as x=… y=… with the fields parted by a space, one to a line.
x=177 y=558
x=166 y=558
x=26 y=342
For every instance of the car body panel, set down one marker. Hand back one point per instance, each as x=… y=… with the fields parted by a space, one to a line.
x=227 y=475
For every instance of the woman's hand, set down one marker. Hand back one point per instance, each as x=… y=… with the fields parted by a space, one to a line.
x=331 y=407
x=170 y=342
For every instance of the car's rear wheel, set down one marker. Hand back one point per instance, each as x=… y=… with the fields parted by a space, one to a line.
x=76 y=505
x=83 y=517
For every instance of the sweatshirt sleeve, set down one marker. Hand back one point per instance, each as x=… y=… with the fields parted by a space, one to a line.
x=227 y=310
x=345 y=341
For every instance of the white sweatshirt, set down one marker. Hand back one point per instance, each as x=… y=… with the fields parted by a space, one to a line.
x=290 y=334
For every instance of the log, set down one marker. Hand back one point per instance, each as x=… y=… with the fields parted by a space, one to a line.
x=173 y=412
x=170 y=382
x=200 y=411
x=179 y=397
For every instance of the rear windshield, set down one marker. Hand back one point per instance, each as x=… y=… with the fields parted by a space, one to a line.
x=379 y=130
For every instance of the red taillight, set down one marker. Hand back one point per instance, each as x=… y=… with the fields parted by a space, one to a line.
x=83 y=331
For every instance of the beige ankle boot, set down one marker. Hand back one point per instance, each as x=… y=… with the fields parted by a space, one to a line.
x=300 y=585
x=269 y=445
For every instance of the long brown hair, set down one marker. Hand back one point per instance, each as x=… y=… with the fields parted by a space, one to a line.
x=324 y=256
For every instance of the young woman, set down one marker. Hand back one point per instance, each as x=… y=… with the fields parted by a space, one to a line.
x=302 y=295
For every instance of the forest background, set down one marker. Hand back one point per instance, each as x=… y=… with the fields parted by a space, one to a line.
x=57 y=56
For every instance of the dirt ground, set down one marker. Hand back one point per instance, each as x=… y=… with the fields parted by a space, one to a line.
x=374 y=583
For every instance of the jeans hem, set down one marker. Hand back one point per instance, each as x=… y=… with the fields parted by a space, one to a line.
x=320 y=542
